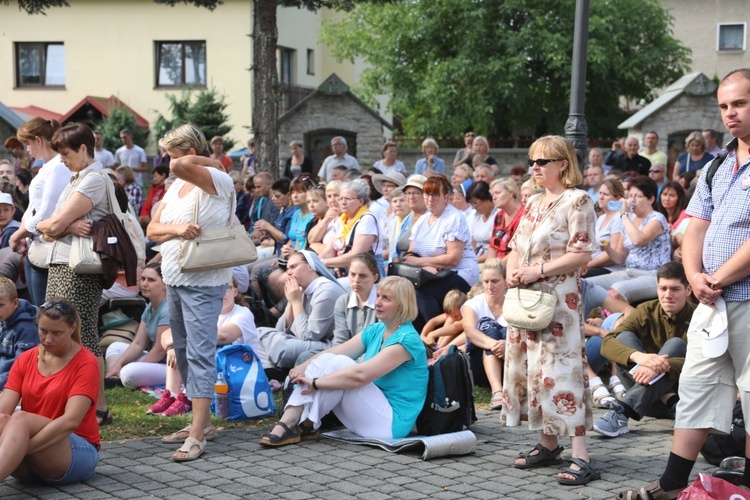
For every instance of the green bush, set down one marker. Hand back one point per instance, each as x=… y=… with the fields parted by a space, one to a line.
x=119 y=119
x=206 y=113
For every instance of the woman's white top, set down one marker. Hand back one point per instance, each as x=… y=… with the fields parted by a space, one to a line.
x=244 y=319
x=44 y=191
x=213 y=212
x=481 y=231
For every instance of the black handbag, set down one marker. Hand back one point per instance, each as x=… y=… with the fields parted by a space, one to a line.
x=418 y=276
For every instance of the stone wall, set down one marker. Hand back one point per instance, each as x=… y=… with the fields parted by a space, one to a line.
x=506 y=158
x=684 y=114
x=333 y=113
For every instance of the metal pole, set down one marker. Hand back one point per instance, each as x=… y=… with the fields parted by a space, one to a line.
x=576 y=129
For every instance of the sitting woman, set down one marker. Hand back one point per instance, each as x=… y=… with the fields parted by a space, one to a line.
x=155 y=194
x=672 y=204
x=505 y=196
x=356 y=309
x=236 y=325
x=416 y=208
x=307 y=322
x=643 y=248
x=133 y=364
x=378 y=398
x=608 y=228
x=460 y=198
x=480 y=221
x=54 y=439
x=324 y=231
x=430 y=164
x=393 y=229
x=485 y=327
x=695 y=158
x=441 y=240
x=357 y=231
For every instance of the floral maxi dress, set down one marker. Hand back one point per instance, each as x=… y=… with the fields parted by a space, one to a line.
x=546 y=377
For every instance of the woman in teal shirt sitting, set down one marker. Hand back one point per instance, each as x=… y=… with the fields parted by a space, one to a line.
x=377 y=398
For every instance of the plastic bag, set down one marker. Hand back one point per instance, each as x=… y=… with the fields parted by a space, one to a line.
x=707 y=487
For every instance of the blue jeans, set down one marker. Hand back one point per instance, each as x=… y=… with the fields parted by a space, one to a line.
x=84 y=458
x=193 y=314
x=594 y=354
x=36 y=282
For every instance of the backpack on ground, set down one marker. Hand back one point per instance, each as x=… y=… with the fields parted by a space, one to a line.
x=250 y=395
x=717 y=447
x=449 y=406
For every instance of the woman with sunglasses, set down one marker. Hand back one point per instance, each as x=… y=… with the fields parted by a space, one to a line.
x=54 y=439
x=545 y=371
x=643 y=247
x=510 y=210
x=194 y=298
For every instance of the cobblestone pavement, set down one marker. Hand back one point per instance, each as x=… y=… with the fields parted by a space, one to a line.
x=235 y=466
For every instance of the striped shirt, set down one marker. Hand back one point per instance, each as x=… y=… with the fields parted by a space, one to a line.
x=727 y=206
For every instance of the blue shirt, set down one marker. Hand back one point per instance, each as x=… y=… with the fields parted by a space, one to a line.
x=438 y=165
x=154 y=319
x=283 y=221
x=298 y=229
x=727 y=206
x=405 y=387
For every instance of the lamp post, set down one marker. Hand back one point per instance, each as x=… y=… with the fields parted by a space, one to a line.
x=576 y=129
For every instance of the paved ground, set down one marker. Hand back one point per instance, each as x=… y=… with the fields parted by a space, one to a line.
x=234 y=466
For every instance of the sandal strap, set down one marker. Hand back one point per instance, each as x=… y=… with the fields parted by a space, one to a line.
x=189 y=443
x=580 y=463
x=286 y=427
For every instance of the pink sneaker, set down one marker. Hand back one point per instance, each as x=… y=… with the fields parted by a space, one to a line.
x=180 y=406
x=165 y=401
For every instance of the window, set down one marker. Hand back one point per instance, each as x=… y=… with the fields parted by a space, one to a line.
x=310 y=62
x=181 y=63
x=40 y=64
x=286 y=73
x=731 y=36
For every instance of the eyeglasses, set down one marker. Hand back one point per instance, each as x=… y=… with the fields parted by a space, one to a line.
x=346 y=198
x=542 y=161
x=635 y=196
x=413 y=194
x=60 y=306
x=433 y=195
x=657 y=171
x=320 y=186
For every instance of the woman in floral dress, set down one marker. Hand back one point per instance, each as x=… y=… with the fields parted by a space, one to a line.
x=545 y=371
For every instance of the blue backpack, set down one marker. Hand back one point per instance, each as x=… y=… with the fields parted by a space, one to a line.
x=250 y=395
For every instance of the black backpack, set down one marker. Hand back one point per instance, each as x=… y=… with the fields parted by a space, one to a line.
x=449 y=405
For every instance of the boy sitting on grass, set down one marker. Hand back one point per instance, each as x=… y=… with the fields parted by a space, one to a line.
x=444 y=328
x=18 y=330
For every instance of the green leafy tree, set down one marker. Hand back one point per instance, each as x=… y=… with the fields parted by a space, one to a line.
x=119 y=119
x=206 y=112
x=503 y=66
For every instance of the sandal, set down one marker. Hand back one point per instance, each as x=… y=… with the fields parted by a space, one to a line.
x=617 y=390
x=209 y=433
x=290 y=436
x=543 y=458
x=604 y=399
x=308 y=433
x=188 y=447
x=496 y=403
x=651 y=491
x=584 y=475
x=103 y=417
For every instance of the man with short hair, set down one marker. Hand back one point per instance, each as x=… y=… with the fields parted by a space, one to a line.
x=655 y=333
x=339 y=157
x=631 y=160
x=339 y=172
x=658 y=174
x=467 y=152
x=483 y=172
x=595 y=178
x=650 y=142
x=712 y=142
x=716 y=256
x=262 y=208
x=596 y=159
x=131 y=155
x=106 y=158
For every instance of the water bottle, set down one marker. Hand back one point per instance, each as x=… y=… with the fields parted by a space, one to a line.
x=221 y=397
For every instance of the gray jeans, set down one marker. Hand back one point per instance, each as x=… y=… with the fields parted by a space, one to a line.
x=644 y=399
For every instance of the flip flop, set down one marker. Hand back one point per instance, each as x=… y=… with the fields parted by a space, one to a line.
x=179 y=437
x=189 y=447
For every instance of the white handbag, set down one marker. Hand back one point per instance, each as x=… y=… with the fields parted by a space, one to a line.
x=217 y=248
x=529 y=309
x=38 y=253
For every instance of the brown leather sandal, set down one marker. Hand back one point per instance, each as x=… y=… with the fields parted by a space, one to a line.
x=290 y=436
x=651 y=491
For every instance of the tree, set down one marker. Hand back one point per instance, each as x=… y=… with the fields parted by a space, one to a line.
x=502 y=67
x=206 y=113
x=119 y=119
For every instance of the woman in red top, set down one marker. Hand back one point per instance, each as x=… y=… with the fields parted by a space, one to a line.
x=54 y=439
x=155 y=194
x=505 y=196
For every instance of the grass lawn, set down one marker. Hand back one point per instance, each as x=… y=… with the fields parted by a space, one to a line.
x=130 y=419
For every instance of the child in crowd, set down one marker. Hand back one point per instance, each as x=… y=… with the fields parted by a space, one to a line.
x=8 y=226
x=444 y=328
x=18 y=330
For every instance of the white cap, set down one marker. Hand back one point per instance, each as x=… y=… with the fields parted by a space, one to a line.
x=6 y=198
x=710 y=322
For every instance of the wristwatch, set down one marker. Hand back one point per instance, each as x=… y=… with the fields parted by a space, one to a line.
x=541 y=274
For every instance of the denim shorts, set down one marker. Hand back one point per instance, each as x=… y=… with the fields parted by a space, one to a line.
x=84 y=458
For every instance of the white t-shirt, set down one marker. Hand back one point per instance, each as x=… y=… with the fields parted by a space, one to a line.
x=105 y=157
x=481 y=231
x=482 y=309
x=398 y=166
x=367 y=224
x=213 y=212
x=244 y=319
x=326 y=170
x=132 y=157
x=44 y=191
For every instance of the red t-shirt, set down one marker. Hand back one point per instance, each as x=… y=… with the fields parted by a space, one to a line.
x=502 y=234
x=47 y=396
x=155 y=194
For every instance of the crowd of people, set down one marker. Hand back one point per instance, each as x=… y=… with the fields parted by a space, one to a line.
x=628 y=260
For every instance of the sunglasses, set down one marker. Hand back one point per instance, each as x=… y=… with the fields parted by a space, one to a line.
x=542 y=161
x=63 y=308
x=654 y=171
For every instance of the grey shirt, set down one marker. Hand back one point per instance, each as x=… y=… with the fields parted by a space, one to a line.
x=316 y=322
x=349 y=318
